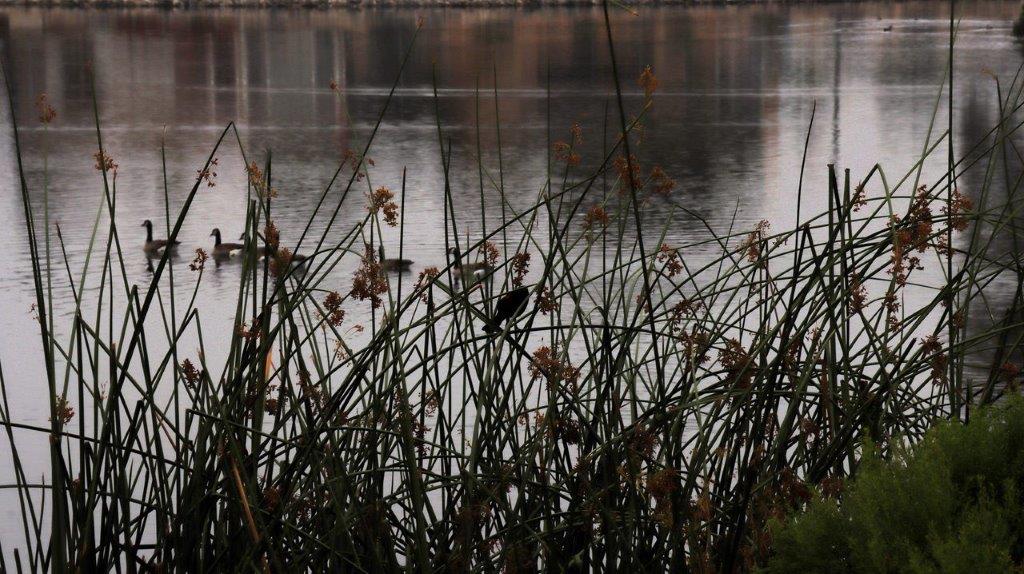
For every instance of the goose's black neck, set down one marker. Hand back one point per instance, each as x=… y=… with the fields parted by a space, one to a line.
x=149 y=233
x=216 y=238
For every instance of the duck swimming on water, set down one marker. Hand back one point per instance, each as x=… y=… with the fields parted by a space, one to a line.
x=468 y=270
x=155 y=247
x=283 y=260
x=392 y=264
x=223 y=250
x=261 y=250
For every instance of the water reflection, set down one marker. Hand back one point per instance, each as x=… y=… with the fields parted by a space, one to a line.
x=737 y=85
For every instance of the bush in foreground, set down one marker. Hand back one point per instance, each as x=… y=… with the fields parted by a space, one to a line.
x=951 y=504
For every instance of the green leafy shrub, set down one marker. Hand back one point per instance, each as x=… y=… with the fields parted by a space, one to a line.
x=952 y=503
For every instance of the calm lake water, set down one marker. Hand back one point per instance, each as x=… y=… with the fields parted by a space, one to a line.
x=737 y=86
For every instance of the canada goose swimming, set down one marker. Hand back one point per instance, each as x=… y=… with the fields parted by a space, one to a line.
x=468 y=270
x=261 y=250
x=283 y=261
x=887 y=28
x=155 y=247
x=509 y=306
x=392 y=264
x=222 y=250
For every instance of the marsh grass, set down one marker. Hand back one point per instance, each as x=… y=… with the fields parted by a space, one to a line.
x=648 y=410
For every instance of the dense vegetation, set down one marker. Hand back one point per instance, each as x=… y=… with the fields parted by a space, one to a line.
x=644 y=412
x=951 y=504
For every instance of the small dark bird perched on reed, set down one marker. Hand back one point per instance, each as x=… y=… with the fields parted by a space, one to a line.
x=155 y=247
x=223 y=250
x=509 y=306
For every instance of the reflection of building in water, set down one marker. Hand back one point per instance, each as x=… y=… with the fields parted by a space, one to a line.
x=728 y=122
x=1000 y=176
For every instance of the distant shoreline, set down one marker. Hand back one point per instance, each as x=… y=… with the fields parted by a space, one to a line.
x=349 y=4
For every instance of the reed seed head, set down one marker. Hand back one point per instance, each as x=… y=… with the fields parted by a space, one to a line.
x=369 y=281
x=382 y=201
x=648 y=82
x=104 y=162
x=46 y=111
x=207 y=174
x=332 y=303
x=199 y=261
x=63 y=411
x=520 y=264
